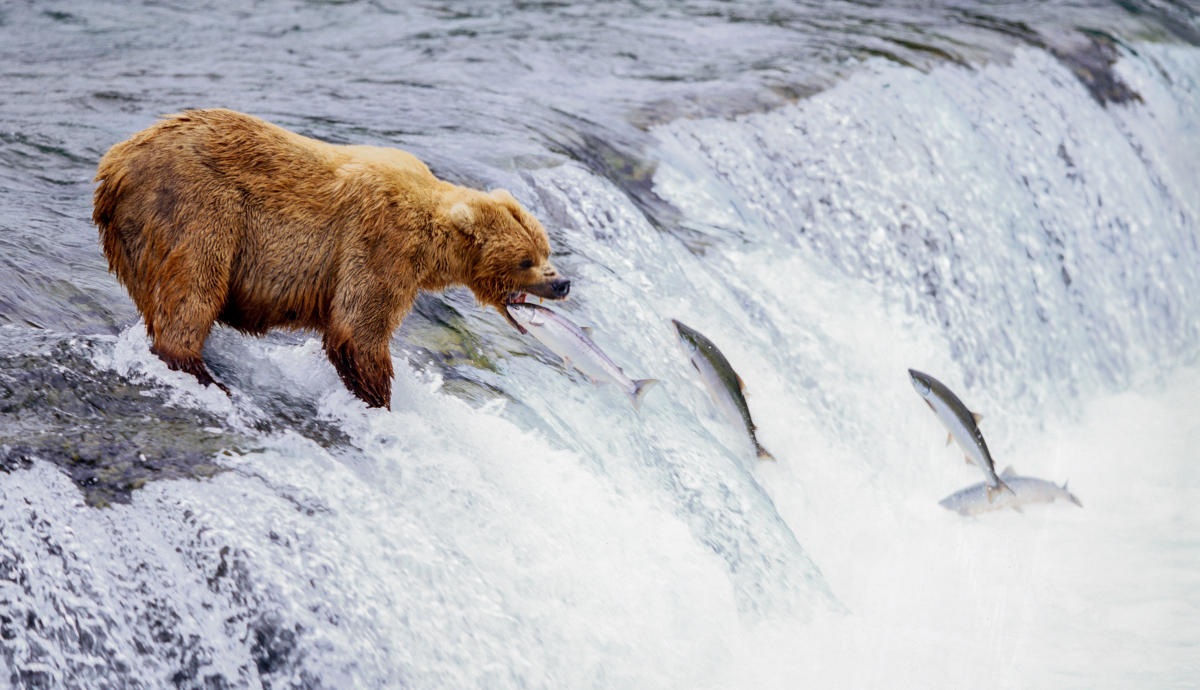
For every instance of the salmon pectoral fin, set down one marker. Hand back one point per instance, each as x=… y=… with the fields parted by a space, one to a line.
x=639 y=389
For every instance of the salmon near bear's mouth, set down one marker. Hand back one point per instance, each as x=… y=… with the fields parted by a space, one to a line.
x=514 y=298
x=556 y=290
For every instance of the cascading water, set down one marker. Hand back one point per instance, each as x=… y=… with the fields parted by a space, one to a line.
x=831 y=194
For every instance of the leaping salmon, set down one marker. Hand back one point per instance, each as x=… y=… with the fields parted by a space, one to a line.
x=723 y=383
x=962 y=425
x=1025 y=490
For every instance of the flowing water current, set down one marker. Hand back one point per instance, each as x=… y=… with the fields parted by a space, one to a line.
x=1005 y=196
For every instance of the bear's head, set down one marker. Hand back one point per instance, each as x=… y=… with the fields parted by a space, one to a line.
x=511 y=256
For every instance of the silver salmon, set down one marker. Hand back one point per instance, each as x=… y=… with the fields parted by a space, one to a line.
x=723 y=383
x=1024 y=490
x=572 y=343
x=962 y=425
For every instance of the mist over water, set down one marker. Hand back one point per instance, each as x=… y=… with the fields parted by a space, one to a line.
x=1004 y=197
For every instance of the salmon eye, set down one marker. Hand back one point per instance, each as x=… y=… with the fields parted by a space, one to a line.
x=526 y=264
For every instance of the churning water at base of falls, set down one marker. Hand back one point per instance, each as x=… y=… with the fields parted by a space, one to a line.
x=833 y=195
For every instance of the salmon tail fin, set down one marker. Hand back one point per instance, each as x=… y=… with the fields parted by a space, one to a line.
x=639 y=389
x=762 y=453
x=1000 y=486
x=1070 y=496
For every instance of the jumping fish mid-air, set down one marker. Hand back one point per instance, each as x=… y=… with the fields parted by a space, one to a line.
x=572 y=343
x=962 y=426
x=723 y=383
x=1023 y=491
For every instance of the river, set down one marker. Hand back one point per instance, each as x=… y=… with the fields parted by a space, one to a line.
x=1005 y=195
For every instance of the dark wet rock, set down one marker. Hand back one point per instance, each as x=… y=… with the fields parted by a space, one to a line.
x=290 y=412
x=109 y=434
x=274 y=643
x=1092 y=60
x=436 y=337
x=436 y=328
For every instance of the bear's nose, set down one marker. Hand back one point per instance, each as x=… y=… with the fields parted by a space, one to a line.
x=560 y=287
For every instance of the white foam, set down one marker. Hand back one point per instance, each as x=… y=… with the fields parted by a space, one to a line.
x=1057 y=596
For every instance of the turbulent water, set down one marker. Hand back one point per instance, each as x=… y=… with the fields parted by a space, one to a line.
x=1007 y=197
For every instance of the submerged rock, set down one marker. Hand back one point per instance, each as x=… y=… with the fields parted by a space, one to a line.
x=109 y=434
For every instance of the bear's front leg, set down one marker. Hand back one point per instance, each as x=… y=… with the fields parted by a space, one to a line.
x=367 y=306
x=365 y=368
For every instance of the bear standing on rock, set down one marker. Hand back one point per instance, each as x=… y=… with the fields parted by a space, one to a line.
x=213 y=215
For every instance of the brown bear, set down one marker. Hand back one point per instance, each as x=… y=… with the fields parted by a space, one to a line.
x=213 y=215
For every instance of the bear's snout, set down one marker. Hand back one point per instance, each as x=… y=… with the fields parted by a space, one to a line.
x=556 y=288
x=560 y=287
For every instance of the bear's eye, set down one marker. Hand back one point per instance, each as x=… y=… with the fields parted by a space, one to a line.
x=526 y=264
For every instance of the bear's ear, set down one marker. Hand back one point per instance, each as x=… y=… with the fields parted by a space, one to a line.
x=509 y=203
x=463 y=217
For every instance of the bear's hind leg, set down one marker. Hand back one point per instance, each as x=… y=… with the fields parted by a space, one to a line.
x=184 y=312
x=192 y=364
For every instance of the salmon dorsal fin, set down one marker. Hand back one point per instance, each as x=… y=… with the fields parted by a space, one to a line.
x=977 y=417
x=587 y=330
x=1008 y=472
x=741 y=383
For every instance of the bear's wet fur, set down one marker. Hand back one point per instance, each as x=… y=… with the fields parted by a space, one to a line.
x=216 y=216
